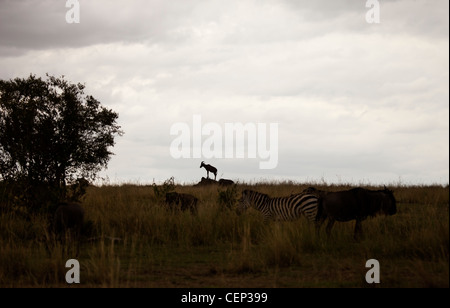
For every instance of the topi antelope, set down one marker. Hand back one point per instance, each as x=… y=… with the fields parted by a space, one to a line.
x=209 y=169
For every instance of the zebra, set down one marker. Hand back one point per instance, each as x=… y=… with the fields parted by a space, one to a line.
x=281 y=208
x=209 y=169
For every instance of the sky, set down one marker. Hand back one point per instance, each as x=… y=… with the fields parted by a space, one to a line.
x=353 y=100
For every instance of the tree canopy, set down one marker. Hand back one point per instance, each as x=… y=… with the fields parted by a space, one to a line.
x=52 y=133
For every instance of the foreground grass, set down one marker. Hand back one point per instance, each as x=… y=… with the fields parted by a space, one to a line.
x=218 y=248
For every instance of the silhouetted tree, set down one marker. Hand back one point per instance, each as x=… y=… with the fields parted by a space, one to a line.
x=51 y=134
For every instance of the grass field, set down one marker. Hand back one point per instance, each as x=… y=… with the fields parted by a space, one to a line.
x=218 y=248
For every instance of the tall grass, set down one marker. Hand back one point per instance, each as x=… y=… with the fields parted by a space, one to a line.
x=135 y=241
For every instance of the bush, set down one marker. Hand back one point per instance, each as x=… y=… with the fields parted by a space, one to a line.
x=227 y=198
x=160 y=191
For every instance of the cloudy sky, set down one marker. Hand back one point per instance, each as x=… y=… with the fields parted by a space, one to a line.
x=355 y=102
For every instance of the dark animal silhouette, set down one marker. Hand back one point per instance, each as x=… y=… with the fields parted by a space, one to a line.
x=181 y=202
x=209 y=169
x=225 y=182
x=354 y=204
x=69 y=217
x=67 y=224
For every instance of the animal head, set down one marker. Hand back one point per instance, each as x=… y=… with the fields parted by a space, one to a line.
x=251 y=198
x=202 y=164
x=244 y=202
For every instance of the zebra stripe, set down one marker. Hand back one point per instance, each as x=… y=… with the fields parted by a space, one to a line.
x=281 y=208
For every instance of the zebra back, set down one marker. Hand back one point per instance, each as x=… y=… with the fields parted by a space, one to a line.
x=251 y=198
x=282 y=208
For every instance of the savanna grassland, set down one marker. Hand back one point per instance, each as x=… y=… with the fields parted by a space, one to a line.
x=135 y=242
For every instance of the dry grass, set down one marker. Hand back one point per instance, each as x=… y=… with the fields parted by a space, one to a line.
x=218 y=248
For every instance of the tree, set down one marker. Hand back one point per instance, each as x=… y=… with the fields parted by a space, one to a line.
x=51 y=134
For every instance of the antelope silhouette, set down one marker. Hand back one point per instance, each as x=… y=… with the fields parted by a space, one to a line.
x=209 y=169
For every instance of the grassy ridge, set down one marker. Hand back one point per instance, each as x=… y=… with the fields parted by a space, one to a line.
x=218 y=248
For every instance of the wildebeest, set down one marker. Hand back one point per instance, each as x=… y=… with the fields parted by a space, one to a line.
x=354 y=204
x=68 y=223
x=209 y=169
x=225 y=182
x=69 y=217
x=181 y=202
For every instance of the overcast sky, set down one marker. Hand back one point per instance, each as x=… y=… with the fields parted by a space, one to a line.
x=355 y=102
